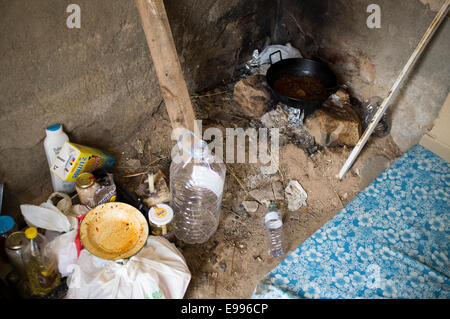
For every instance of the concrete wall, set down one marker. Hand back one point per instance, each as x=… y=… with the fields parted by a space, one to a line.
x=438 y=138
x=99 y=80
x=369 y=60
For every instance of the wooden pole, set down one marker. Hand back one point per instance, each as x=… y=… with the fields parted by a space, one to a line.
x=168 y=68
x=395 y=87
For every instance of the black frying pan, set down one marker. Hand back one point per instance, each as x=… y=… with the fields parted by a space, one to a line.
x=298 y=67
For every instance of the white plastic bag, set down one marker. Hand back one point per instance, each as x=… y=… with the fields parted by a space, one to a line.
x=287 y=52
x=157 y=271
x=45 y=216
x=64 y=204
x=64 y=248
x=61 y=230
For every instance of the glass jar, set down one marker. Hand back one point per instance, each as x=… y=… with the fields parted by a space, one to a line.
x=7 y=227
x=14 y=248
x=160 y=218
x=86 y=187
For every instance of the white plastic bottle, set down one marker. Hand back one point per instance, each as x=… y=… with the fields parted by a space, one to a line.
x=53 y=142
x=196 y=185
x=274 y=227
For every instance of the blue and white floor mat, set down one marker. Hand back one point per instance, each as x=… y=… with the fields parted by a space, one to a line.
x=390 y=241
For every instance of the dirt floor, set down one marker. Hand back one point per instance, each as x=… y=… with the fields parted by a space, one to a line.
x=231 y=263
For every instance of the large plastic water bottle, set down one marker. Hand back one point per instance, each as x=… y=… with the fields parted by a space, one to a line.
x=196 y=185
x=274 y=227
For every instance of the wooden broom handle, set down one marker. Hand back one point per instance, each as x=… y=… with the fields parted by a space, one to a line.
x=168 y=68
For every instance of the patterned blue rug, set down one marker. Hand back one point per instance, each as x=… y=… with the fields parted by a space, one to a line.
x=391 y=241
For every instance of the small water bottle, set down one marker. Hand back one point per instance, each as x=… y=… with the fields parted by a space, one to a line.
x=274 y=226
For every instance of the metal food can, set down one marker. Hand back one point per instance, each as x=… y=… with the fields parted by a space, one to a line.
x=13 y=247
x=160 y=218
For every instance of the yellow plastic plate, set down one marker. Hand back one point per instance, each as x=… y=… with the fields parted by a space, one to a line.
x=114 y=231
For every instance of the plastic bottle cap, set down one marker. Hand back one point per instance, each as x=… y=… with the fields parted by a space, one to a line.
x=6 y=224
x=54 y=129
x=200 y=150
x=85 y=180
x=31 y=232
x=273 y=219
x=160 y=214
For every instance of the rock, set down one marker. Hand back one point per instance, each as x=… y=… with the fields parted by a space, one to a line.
x=253 y=95
x=272 y=166
x=343 y=96
x=276 y=118
x=263 y=195
x=295 y=195
x=139 y=146
x=257 y=181
x=134 y=163
x=340 y=98
x=278 y=191
x=367 y=71
x=334 y=125
x=250 y=206
x=236 y=207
